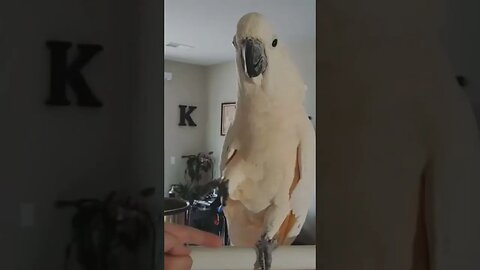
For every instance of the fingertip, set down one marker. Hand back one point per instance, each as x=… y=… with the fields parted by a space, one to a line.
x=216 y=242
x=219 y=242
x=178 y=262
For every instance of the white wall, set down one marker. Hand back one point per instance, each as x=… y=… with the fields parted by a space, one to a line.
x=222 y=87
x=186 y=88
x=64 y=152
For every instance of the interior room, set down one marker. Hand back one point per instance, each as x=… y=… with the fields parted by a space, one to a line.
x=201 y=72
x=94 y=141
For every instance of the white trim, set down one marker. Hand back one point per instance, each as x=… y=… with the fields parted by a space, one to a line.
x=236 y=258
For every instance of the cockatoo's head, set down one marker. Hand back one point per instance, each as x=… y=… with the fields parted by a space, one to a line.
x=262 y=59
x=255 y=42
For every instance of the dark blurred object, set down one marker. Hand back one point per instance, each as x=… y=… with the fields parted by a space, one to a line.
x=207 y=215
x=199 y=167
x=198 y=163
x=101 y=227
x=176 y=211
x=172 y=193
x=462 y=81
x=147 y=192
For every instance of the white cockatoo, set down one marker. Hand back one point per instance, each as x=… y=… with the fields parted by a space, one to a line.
x=268 y=157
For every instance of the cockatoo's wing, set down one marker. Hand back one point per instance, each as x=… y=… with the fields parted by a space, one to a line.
x=302 y=189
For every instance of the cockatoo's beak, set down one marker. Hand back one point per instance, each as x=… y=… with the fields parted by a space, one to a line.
x=253 y=58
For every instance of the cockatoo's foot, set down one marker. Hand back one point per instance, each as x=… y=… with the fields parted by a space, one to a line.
x=264 y=248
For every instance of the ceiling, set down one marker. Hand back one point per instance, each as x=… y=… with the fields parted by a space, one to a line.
x=209 y=26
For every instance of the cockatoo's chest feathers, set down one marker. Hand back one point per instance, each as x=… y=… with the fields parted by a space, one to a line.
x=265 y=156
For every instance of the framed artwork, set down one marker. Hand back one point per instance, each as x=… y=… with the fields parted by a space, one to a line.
x=227 y=116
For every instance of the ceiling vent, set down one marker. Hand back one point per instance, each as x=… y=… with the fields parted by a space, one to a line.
x=178 y=45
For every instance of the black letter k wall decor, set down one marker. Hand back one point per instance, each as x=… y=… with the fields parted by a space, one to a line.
x=185 y=115
x=61 y=73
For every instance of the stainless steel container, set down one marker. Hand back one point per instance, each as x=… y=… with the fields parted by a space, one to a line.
x=175 y=211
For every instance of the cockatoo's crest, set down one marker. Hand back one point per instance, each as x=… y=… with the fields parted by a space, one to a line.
x=255 y=25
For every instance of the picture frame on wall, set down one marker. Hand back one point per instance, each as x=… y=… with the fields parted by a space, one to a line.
x=228 y=110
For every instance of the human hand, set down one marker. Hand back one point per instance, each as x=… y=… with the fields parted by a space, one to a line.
x=176 y=254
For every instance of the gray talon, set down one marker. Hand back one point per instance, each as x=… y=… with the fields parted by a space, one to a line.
x=260 y=262
x=264 y=248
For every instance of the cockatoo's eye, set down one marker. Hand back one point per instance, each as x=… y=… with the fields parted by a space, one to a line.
x=234 y=43
x=274 y=43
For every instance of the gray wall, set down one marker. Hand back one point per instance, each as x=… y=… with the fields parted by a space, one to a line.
x=186 y=88
x=221 y=87
x=63 y=152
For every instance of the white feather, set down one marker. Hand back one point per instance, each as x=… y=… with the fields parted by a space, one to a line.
x=304 y=192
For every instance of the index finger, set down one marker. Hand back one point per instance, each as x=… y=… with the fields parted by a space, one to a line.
x=191 y=235
x=173 y=246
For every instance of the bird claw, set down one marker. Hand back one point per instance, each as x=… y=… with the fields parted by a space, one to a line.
x=264 y=248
